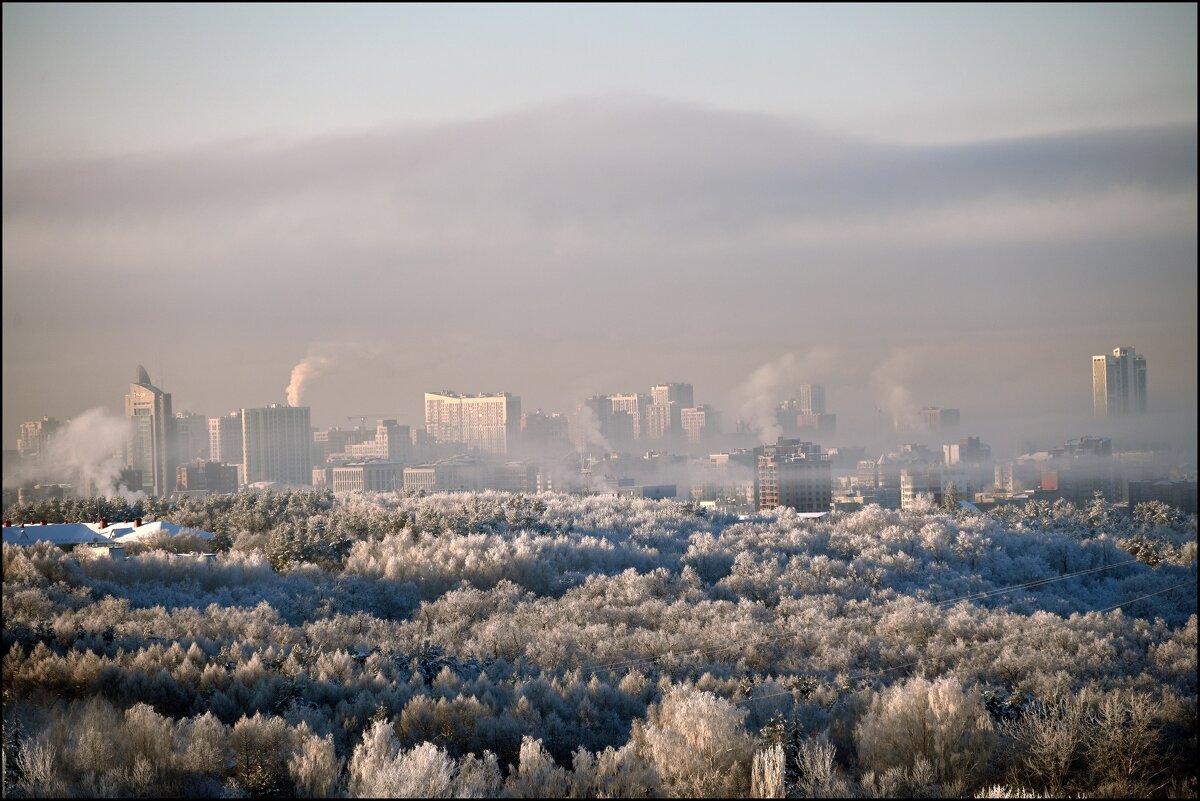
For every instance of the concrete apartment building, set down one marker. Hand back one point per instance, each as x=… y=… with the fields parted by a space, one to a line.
x=795 y=474
x=277 y=444
x=1118 y=383
x=486 y=423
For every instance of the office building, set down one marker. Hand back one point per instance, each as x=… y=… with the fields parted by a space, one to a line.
x=680 y=394
x=631 y=426
x=209 y=478
x=225 y=439
x=149 y=448
x=545 y=434
x=35 y=436
x=938 y=419
x=392 y=443
x=795 y=474
x=810 y=399
x=968 y=450
x=1180 y=494
x=1118 y=383
x=374 y=476
x=448 y=475
x=816 y=424
x=191 y=436
x=486 y=423
x=277 y=445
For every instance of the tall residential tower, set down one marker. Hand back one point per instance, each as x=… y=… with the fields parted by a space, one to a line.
x=1118 y=383
x=488 y=423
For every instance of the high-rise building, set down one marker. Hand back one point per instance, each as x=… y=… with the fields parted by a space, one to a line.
x=673 y=393
x=545 y=434
x=937 y=419
x=225 y=439
x=793 y=473
x=149 y=448
x=811 y=399
x=209 y=478
x=1118 y=383
x=191 y=435
x=488 y=423
x=392 y=442
x=700 y=422
x=277 y=443
x=633 y=426
x=35 y=436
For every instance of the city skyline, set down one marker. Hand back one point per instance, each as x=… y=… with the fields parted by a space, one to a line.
x=599 y=199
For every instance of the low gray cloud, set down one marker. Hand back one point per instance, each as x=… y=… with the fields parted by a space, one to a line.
x=617 y=159
x=625 y=237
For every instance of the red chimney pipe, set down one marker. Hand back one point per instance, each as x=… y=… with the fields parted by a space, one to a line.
x=42 y=523
x=104 y=522
x=8 y=524
x=138 y=522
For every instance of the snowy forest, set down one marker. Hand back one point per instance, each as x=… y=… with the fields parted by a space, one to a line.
x=482 y=645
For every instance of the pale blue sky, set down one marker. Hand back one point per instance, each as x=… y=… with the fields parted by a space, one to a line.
x=96 y=79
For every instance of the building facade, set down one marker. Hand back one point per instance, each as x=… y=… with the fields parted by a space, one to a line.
x=810 y=399
x=225 y=439
x=392 y=442
x=700 y=422
x=935 y=418
x=795 y=474
x=1118 y=383
x=487 y=423
x=149 y=446
x=381 y=476
x=277 y=445
x=192 y=441
x=35 y=436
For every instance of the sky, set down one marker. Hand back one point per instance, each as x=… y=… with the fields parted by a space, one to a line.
x=915 y=205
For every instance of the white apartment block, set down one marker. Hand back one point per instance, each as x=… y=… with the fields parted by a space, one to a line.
x=487 y=423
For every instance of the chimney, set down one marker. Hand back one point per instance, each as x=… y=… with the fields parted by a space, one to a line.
x=104 y=522
x=8 y=524
x=138 y=522
x=42 y=523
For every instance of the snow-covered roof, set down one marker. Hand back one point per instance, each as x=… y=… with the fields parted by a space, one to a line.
x=78 y=533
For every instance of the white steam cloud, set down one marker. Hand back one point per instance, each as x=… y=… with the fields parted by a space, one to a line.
x=325 y=357
x=890 y=380
x=775 y=382
x=309 y=367
x=587 y=431
x=87 y=453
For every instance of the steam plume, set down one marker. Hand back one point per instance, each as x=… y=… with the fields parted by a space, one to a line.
x=774 y=382
x=310 y=366
x=894 y=397
x=85 y=452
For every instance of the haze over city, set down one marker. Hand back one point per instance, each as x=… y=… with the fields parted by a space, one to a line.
x=915 y=206
x=599 y=401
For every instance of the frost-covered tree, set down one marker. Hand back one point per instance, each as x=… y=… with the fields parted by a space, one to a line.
x=939 y=722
